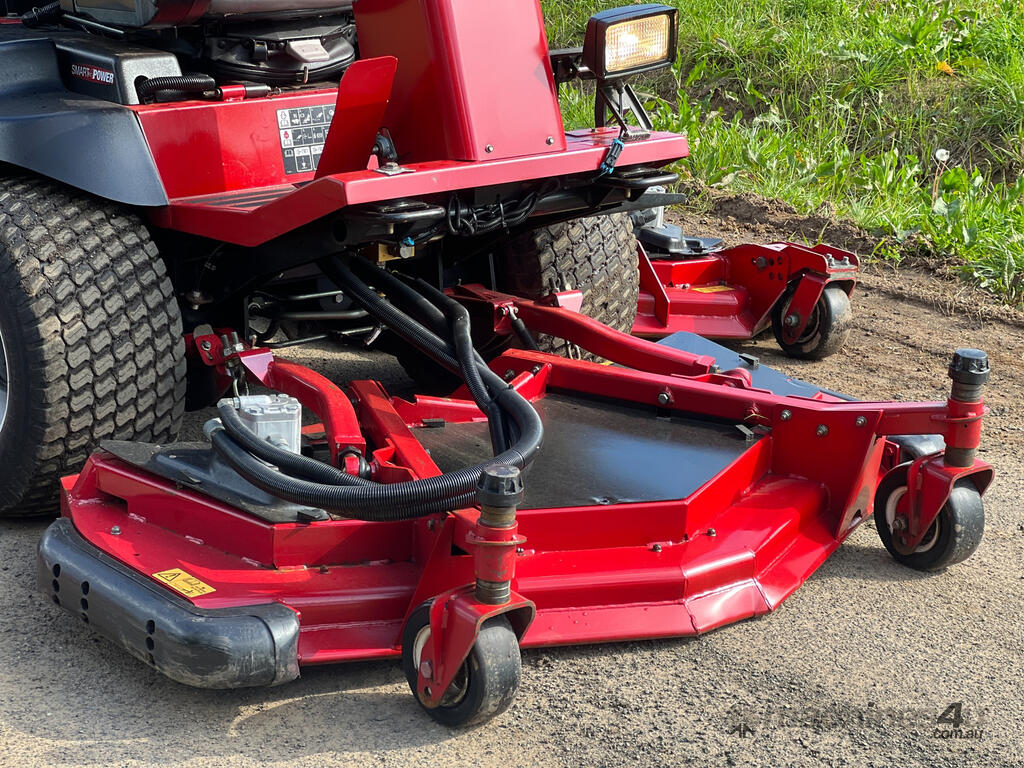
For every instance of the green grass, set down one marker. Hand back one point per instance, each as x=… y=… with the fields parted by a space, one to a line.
x=905 y=116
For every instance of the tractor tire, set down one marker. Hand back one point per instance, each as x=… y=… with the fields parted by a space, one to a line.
x=596 y=255
x=92 y=345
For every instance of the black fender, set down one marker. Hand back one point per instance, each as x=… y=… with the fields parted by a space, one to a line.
x=93 y=145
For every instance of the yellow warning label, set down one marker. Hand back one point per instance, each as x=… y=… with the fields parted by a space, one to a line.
x=184 y=583
x=712 y=288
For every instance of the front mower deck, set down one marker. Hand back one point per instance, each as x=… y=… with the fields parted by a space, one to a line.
x=628 y=533
x=682 y=489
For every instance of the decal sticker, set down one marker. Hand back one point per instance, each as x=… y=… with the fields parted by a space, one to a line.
x=713 y=288
x=182 y=582
x=303 y=133
x=92 y=74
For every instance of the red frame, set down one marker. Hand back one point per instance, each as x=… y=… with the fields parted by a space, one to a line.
x=737 y=547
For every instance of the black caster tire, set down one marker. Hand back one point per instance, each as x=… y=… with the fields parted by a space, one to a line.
x=488 y=680
x=951 y=538
x=826 y=331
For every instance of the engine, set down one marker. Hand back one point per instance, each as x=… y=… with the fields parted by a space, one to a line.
x=278 y=43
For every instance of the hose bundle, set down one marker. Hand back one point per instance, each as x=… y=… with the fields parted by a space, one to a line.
x=516 y=429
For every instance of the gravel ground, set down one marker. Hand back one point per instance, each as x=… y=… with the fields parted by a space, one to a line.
x=854 y=669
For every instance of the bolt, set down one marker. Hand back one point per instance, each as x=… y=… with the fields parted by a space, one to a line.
x=520 y=551
x=822 y=430
x=427 y=669
x=549 y=140
x=664 y=398
x=899 y=524
x=509 y=374
x=205 y=345
x=656 y=548
x=791 y=320
x=861 y=421
x=488 y=148
x=786 y=415
x=115 y=531
x=712 y=532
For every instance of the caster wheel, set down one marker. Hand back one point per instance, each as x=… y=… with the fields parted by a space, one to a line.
x=826 y=331
x=485 y=684
x=950 y=539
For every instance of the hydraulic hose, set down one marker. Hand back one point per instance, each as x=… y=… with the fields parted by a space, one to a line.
x=377 y=502
x=183 y=84
x=371 y=501
x=401 y=294
x=471 y=364
x=39 y=16
x=288 y=462
x=382 y=507
x=428 y=342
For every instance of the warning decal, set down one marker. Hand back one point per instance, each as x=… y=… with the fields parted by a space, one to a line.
x=182 y=582
x=712 y=288
x=303 y=133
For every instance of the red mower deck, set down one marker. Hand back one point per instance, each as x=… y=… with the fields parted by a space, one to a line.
x=685 y=488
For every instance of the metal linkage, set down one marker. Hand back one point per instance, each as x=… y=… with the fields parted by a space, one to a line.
x=969 y=370
x=499 y=491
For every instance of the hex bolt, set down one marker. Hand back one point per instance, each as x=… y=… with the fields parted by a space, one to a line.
x=786 y=415
x=861 y=421
x=712 y=532
x=115 y=531
x=899 y=523
x=791 y=320
x=205 y=344
x=656 y=548
x=822 y=430
x=427 y=669
x=664 y=398
x=509 y=374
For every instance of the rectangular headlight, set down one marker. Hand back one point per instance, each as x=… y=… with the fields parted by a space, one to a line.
x=625 y=41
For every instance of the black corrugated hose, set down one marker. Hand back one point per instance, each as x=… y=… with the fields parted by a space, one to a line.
x=179 y=84
x=361 y=499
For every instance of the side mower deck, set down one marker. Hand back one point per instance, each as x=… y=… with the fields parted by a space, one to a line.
x=676 y=492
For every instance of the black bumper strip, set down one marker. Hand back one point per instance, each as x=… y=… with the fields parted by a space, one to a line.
x=218 y=648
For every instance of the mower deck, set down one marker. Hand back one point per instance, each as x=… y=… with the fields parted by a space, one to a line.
x=731 y=293
x=685 y=488
x=628 y=536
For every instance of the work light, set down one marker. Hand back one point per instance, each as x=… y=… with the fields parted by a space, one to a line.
x=625 y=41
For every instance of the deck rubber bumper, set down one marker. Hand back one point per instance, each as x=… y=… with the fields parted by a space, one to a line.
x=232 y=647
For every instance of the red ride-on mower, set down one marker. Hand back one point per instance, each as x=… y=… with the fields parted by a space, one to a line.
x=189 y=186
x=548 y=501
